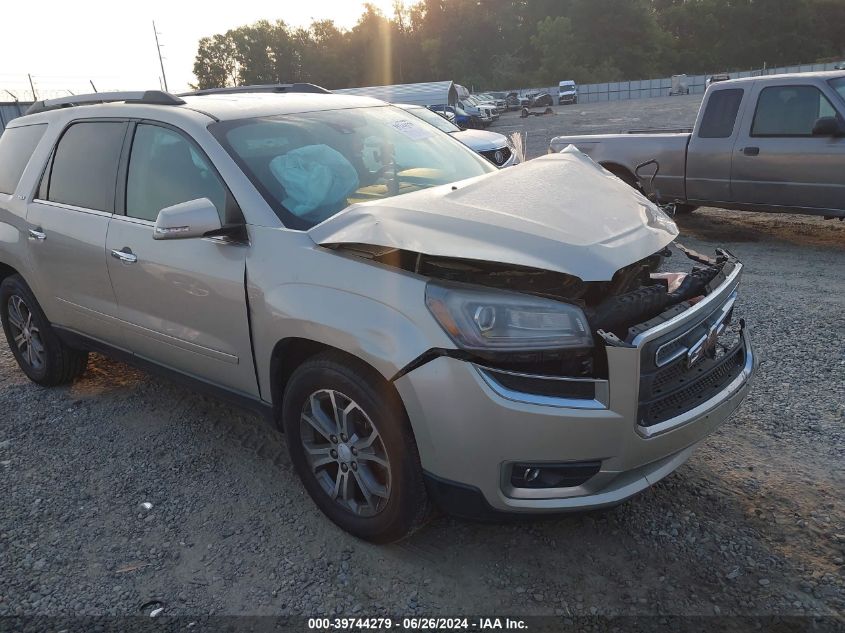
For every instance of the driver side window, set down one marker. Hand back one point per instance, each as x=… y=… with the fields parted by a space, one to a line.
x=166 y=169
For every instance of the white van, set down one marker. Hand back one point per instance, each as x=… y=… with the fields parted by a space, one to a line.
x=568 y=92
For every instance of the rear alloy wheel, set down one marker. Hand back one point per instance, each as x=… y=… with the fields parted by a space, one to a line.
x=40 y=353
x=351 y=444
x=25 y=333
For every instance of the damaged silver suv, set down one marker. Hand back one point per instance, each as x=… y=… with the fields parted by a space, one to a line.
x=426 y=329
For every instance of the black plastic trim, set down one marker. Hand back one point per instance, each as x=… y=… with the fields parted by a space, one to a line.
x=462 y=500
x=275 y=88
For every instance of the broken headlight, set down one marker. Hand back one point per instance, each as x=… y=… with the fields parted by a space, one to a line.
x=482 y=319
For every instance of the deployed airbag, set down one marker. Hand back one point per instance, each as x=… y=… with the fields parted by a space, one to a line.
x=313 y=176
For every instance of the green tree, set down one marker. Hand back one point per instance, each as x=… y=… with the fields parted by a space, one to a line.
x=215 y=65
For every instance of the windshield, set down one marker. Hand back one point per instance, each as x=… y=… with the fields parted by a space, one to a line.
x=310 y=166
x=839 y=86
x=432 y=118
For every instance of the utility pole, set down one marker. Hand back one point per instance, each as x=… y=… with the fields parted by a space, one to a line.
x=160 y=61
x=34 y=96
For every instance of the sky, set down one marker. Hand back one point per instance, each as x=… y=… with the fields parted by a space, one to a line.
x=66 y=44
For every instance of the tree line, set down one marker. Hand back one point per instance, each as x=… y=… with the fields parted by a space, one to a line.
x=493 y=44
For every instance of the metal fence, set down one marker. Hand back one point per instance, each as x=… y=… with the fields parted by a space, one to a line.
x=647 y=88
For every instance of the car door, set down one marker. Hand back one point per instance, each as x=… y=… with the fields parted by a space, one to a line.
x=182 y=302
x=778 y=162
x=68 y=220
x=711 y=147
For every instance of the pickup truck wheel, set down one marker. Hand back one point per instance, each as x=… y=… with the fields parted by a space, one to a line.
x=41 y=354
x=684 y=209
x=352 y=445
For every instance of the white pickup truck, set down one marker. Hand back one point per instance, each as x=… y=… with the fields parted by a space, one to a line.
x=774 y=143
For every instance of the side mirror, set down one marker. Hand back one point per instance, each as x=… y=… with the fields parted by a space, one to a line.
x=195 y=218
x=828 y=126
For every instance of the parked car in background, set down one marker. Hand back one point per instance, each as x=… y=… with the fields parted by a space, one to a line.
x=488 y=103
x=567 y=92
x=492 y=146
x=513 y=100
x=485 y=113
x=537 y=99
x=461 y=118
x=427 y=329
x=501 y=100
x=500 y=104
x=772 y=143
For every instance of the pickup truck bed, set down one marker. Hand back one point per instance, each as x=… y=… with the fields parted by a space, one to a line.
x=774 y=143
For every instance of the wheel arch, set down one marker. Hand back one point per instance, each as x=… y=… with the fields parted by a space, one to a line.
x=291 y=353
x=7 y=271
x=622 y=172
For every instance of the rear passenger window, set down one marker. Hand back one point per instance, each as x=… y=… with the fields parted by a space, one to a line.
x=720 y=115
x=16 y=147
x=85 y=164
x=166 y=169
x=789 y=111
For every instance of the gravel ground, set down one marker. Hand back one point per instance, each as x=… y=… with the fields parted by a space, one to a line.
x=753 y=524
x=610 y=117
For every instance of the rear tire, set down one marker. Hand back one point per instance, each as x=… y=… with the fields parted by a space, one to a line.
x=40 y=353
x=351 y=444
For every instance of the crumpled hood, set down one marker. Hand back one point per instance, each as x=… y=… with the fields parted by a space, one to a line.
x=560 y=212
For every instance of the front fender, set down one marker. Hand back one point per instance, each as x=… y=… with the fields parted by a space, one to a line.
x=379 y=334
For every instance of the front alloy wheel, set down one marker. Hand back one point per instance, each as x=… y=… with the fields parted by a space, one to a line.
x=351 y=443
x=345 y=452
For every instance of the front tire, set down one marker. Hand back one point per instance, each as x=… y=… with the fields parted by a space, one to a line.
x=351 y=444
x=40 y=353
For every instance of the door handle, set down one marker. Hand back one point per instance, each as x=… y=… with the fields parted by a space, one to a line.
x=125 y=255
x=751 y=151
x=37 y=234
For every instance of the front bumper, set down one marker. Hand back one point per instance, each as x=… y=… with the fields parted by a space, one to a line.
x=470 y=431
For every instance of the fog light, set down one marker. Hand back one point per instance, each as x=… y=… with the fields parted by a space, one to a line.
x=531 y=474
x=567 y=475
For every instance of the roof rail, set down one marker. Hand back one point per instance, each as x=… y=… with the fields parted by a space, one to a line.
x=153 y=97
x=277 y=88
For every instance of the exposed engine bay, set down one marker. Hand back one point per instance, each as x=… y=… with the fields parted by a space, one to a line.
x=616 y=310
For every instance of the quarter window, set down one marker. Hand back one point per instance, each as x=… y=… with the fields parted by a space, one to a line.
x=16 y=147
x=720 y=115
x=166 y=169
x=790 y=111
x=85 y=165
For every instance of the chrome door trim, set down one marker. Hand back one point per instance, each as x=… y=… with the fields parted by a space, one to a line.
x=70 y=207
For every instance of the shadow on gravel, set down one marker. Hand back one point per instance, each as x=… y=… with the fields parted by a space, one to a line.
x=745 y=226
